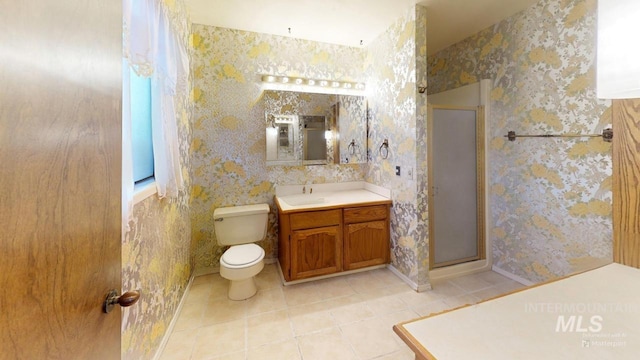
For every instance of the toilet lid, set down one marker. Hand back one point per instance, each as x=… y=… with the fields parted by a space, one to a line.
x=242 y=254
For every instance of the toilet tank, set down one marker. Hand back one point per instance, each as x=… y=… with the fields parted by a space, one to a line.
x=241 y=224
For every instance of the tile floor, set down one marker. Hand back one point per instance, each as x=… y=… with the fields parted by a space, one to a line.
x=347 y=317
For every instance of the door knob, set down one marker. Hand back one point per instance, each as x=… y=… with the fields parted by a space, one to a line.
x=127 y=299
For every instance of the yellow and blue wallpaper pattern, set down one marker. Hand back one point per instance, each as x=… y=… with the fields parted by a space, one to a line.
x=395 y=64
x=550 y=198
x=228 y=165
x=157 y=252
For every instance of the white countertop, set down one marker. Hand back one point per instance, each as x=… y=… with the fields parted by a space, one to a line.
x=319 y=196
x=592 y=315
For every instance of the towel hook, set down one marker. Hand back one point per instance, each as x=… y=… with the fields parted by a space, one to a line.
x=384 y=149
x=352 y=147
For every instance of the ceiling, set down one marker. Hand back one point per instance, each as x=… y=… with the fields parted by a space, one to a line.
x=353 y=22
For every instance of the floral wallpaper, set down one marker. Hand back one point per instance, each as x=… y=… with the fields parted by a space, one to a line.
x=227 y=155
x=352 y=124
x=550 y=198
x=157 y=251
x=228 y=148
x=395 y=65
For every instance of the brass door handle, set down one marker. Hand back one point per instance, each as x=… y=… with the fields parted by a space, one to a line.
x=127 y=299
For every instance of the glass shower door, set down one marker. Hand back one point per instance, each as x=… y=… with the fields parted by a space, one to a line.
x=455 y=178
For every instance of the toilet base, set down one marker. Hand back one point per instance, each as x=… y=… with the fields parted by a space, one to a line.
x=242 y=289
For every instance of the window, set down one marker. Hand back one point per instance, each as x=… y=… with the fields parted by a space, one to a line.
x=141 y=138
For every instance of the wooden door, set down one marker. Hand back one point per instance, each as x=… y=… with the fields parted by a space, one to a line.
x=366 y=244
x=60 y=141
x=316 y=251
x=626 y=182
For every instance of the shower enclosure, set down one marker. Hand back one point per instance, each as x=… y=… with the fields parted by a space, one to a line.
x=456 y=184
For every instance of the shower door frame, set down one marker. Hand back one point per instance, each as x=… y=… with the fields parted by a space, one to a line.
x=480 y=185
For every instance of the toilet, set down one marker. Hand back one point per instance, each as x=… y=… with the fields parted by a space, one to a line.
x=240 y=227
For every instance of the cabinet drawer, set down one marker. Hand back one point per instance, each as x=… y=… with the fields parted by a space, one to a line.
x=312 y=219
x=365 y=213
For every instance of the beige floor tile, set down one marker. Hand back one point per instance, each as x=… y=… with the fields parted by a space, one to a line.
x=350 y=313
x=431 y=308
x=219 y=288
x=268 y=278
x=301 y=294
x=461 y=300
x=219 y=339
x=180 y=345
x=265 y=301
x=362 y=281
x=446 y=288
x=509 y=286
x=191 y=315
x=224 y=310
x=199 y=293
x=349 y=317
x=488 y=293
x=471 y=283
x=311 y=318
x=286 y=350
x=269 y=327
x=413 y=298
x=333 y=288
x=386 y=304
x=324 y=345
x=336 y=303
x=386 y=278
x=375 y=337
x=492 y=277
x=240 y=355
x=380 y=292
x=397 y=317
x=404 y=354
x=203 y=279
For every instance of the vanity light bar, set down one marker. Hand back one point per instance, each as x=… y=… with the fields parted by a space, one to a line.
x=312 y=82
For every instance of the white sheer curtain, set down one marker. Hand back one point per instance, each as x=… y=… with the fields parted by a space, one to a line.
x=152 y=48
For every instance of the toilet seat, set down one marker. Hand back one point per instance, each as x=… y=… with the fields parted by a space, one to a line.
x=242 y=256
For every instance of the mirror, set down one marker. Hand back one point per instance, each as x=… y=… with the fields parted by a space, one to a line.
x=314 y=129
x=282 y=139
x=314 y=140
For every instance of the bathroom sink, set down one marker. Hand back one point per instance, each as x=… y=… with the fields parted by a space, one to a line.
x=297 y=200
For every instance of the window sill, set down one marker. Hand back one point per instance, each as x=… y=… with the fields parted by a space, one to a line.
x=144 y=189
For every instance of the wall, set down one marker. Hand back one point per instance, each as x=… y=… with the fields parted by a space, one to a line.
x=396 y=65
x=228 y=149
x=550 y=198
x=156 y=252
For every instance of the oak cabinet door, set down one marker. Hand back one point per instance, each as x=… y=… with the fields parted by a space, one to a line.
x=366 y=244
x=316 y=251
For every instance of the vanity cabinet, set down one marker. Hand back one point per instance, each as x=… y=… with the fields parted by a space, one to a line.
x=321 y=242
x=366 y=236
